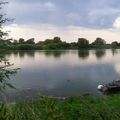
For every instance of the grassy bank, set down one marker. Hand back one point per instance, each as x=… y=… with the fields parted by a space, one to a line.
x=76 y=108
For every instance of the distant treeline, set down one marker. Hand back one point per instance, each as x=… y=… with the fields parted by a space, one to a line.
x=55 y=44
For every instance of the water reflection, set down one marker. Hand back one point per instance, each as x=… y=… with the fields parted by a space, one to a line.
x=15 y=53
x=100 y=53
x=30 y=54
x=21 y=54
x=84 y=54
x=6 y=71
x=65 y=74
x=56 y=54
x=114 y=51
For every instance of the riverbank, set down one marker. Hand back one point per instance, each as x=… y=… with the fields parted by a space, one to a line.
x=82 y=108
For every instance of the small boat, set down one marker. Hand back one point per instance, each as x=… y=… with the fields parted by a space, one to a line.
x=110 y=87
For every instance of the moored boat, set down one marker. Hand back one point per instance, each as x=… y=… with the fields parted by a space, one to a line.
x=110 y=87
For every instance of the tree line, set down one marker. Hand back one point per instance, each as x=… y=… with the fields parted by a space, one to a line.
x=55 y=44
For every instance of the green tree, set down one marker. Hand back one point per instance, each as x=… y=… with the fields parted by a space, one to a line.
x=48 y=41
x=4 y=64
x=21 y=40
x=2 y=42
x=83 y=43
x=15 y=42
x=40 y=43
x=3 y=20
x=30 y=41
x=115 y=44
x=99 y=41
x=57 y=40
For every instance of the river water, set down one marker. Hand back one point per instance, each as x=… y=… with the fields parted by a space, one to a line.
x=62 y=73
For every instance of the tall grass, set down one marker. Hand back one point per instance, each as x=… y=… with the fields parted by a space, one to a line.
x=75 y=108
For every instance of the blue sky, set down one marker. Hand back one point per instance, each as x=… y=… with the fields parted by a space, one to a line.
x=87 y=14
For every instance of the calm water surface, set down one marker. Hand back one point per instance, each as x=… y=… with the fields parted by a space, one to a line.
x=63 y=73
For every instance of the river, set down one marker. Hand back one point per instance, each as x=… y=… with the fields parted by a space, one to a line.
x=62 y=73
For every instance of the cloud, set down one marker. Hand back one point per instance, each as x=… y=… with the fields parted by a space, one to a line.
x=49 y=6
x=30 y=7
x=73 y=18
x=116 y=23
x=31 y=12
x=13 y=25
x=97 y=13
x=86 y=13
x=104 y=11
x=67 y=33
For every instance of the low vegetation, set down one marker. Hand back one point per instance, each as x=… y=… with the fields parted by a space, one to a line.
x=75 y=108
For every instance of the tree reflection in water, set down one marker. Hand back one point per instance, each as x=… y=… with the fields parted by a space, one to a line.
x=5 y=72
x=100 y=53
x=84 y=54
x=114 y=51
x=56 y=54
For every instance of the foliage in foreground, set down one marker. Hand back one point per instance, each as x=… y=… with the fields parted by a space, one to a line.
x=76 y=108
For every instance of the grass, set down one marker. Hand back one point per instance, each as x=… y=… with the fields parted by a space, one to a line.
x=75 y=108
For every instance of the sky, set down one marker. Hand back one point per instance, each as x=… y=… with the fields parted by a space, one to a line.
x=69 y=19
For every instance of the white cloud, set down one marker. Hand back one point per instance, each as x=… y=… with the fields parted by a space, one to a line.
x=116 y=23
x=68 y=33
